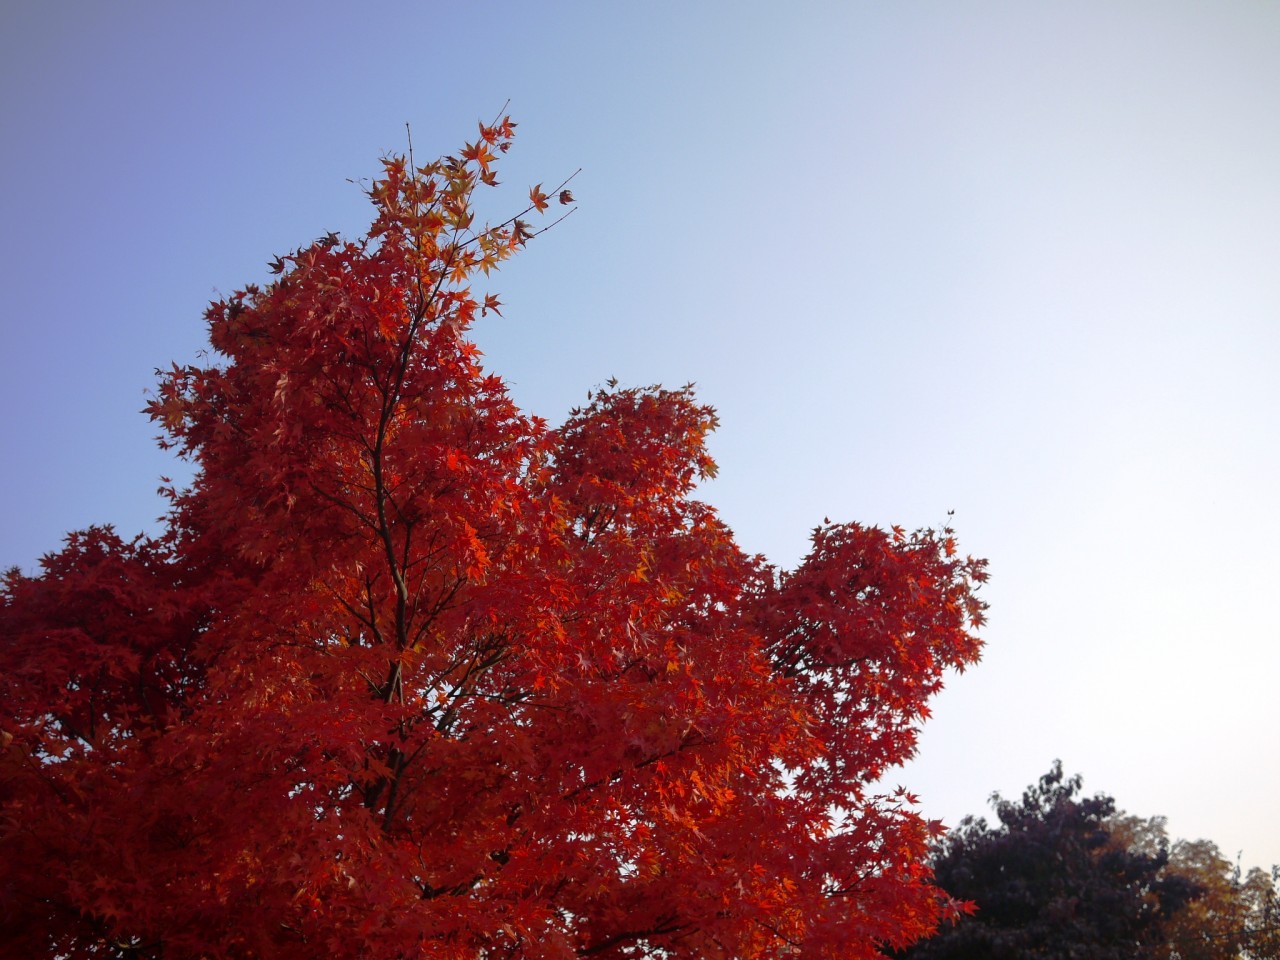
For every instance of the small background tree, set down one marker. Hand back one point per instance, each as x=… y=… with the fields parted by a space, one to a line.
x=1049 y=882
x=1063 y=876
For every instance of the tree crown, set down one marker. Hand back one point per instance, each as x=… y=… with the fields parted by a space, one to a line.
x=411 y=671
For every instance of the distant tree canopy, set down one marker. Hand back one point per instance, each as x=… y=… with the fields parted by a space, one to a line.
x=1064 y=876
x=1236 y=915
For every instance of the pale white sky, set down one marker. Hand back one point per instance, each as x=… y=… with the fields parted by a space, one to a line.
x=1013 y=259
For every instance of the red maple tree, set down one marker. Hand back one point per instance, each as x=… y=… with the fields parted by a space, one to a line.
x=411 y=674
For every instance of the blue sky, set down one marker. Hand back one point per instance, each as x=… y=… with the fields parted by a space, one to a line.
x=1016 y=260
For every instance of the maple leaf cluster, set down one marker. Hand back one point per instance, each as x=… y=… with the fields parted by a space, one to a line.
x=411 y=673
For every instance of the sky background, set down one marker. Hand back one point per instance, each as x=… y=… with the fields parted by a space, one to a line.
x=1019 y=260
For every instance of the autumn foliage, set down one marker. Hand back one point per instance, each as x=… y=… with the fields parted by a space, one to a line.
x=411 y=674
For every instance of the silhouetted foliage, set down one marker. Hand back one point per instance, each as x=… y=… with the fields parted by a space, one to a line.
x=1051 y=883
x=1236 y=916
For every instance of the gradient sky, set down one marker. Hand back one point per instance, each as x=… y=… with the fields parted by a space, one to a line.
x=1019 y=260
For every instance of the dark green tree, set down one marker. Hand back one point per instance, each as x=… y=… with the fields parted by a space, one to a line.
x=1050 y=883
